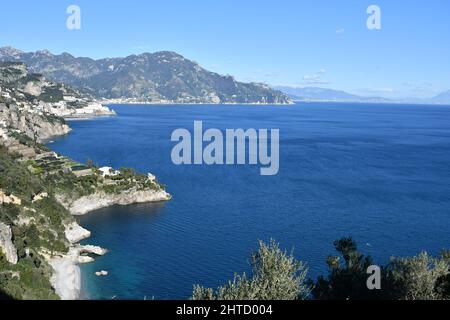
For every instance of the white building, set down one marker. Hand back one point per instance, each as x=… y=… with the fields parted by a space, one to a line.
x=108 y=171
x=151 y=177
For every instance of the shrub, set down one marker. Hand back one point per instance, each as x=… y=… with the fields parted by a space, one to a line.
x=276 y=276
x=418 y=278
x=348 y=280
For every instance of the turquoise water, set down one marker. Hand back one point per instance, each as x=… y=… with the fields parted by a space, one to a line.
x=379 y=173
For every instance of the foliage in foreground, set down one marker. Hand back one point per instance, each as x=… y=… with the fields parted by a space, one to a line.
x=347 y=279
x=276 y=276
x=35 y=226
x=419 y=278
x=414 y=278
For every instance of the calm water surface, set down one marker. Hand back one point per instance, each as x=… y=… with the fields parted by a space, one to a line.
x=380 y=173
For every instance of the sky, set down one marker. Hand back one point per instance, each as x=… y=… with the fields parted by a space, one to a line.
x=324 y=43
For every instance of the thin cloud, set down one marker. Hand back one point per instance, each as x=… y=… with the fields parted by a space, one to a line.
x=316 y=78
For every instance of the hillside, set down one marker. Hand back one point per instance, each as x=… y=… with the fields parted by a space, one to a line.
x=40 y=191
x=161 y=77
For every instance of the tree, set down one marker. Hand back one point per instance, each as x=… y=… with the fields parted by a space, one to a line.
x=347 y=281
x=419 y=278
x=276 y=276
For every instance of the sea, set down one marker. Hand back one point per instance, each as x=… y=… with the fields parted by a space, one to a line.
x=379 y=173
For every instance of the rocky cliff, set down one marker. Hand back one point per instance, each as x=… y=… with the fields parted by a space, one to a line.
x=6 y=244
x=100 y=200
x=36 y=126
x=36 y=106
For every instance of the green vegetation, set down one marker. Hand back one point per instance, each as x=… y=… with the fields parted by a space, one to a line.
x=61 y=178
x=28 y=280
x=16 y=179
x=419 y=278
x=51 y=94
x=347 y=281
x=43 y=230
x=34 y=182
x=26 y=140
x=37 y=219
x=276 y=276
x=414 y=278
x=279 y=276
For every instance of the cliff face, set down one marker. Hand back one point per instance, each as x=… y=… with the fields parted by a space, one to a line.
x=34 y=125
x=100 y=200
x=36 y=106
x=6 y=244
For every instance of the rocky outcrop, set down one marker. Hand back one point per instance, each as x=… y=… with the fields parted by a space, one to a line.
x=6 y=244
x=34 y=125
x=66 y=278
x=9 y=199
x=37 y=107
x=95 y=250
x=100 y=200
x=93 y=109
x=75 y=233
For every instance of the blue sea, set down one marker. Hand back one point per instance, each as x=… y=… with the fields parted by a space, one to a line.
x=378 y=173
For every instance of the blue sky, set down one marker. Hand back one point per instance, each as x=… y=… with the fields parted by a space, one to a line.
x=284 y=42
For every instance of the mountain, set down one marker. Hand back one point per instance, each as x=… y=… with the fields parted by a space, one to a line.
x=322 y=94
x=148 y=77
x=443 y=98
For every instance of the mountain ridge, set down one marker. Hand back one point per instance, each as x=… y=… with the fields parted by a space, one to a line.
x=318 y=94
x=163 y=76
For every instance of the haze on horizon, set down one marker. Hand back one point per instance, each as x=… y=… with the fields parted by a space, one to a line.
x=289 y=42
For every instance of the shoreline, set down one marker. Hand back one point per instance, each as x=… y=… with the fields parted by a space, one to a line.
x=90 y=116
x=67 y=278
x=168 y=103
x=100 y=200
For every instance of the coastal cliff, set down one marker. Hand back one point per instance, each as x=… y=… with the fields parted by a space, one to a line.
x=34 y=125
x=41 y=191
x=101 y=199
x=38 y=107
